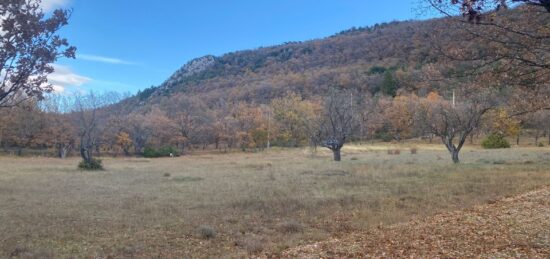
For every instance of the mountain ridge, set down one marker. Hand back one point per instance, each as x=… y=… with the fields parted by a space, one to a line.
x=260 y=59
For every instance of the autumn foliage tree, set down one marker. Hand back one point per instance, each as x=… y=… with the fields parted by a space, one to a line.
x=124 y=141
x=60 y=134
x=26 y=126
x=500 y=122
x=399 y=115
x=295 y=118
x=29 y=44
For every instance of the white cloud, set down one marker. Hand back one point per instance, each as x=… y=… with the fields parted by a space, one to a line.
x=103 y=59
x=63 y=77
x=49 y=5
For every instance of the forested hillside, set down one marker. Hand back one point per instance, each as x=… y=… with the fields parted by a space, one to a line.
x=382 y=77
x=357 y=58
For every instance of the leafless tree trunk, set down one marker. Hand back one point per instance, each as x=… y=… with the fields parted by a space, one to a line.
x=86 y=108
x=63 y=150
x=453 y=124
x=337 y=123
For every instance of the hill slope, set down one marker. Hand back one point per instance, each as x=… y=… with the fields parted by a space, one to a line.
x=357 y=58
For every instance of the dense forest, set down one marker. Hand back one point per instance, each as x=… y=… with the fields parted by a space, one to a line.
x=390 y=81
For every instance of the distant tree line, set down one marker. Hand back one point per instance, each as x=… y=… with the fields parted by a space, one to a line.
x=84 y=125
x=449 y=79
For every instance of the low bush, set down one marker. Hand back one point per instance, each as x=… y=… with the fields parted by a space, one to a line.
x=168 y=151
x=384 y=136
x=149 y=152
x=206 y=232
x=495 y=141
x=414 y=150
x=540 y=144
x=92 y=165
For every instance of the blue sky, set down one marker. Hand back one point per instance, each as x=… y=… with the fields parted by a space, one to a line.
x=128 y=45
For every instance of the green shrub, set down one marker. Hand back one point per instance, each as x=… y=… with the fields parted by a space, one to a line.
x=389 y=84
x=166 y=151
x=495 y=141
x=377 y=70
x=150 y=152
x=540 y=144
x=92 y=165
x=384 y=136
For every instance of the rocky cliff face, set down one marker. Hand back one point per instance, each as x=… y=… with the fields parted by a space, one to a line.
x=192 y=67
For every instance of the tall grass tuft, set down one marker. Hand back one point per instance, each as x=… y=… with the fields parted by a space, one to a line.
x=206 y=232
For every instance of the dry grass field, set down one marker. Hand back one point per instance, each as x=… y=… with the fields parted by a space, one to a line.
x=243 y=204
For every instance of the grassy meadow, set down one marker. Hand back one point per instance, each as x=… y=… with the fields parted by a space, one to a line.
x=243 y=204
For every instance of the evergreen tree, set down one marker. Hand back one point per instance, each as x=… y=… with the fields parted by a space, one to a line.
x=389 y=85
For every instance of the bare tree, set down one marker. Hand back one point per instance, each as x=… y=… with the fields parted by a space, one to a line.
x=453 y=123
x=90 y=115
x=86 y=108
x=337 y=123
x=29 y=44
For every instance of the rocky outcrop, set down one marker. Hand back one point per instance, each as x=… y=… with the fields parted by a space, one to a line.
x=192 y=67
